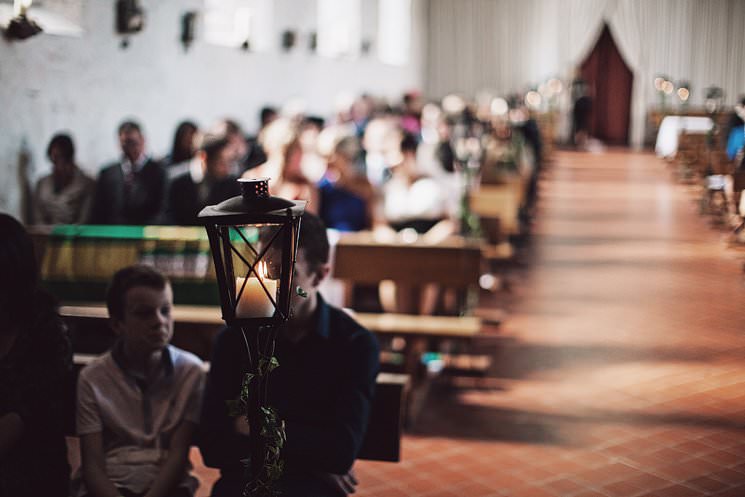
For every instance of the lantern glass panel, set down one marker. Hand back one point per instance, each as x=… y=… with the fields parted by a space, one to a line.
x=255 y=254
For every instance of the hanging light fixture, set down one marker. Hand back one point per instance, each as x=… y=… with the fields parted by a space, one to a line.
x=21 y=26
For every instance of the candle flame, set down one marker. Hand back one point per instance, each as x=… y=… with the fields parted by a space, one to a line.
x=262 y=272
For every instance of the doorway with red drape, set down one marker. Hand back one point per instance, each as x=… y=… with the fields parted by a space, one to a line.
x=610 y=81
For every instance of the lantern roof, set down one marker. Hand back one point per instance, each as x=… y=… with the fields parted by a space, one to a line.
x=253 y=205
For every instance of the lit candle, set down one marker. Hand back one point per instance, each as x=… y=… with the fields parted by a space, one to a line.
x=21 y=6
x=254 y=302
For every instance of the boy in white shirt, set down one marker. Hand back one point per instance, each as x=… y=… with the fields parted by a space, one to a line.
x=138 y=404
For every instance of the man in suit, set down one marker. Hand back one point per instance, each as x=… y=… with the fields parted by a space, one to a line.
x=132 y=190
x=207 y=182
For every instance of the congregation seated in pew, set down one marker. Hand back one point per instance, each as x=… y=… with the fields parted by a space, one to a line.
x=411 y=186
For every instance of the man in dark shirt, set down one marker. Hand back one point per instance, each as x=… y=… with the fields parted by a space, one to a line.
x=207 y=182
x=322 y=389
x=133 y=190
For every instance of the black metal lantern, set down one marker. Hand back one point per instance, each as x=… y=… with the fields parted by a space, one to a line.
x=254 y=239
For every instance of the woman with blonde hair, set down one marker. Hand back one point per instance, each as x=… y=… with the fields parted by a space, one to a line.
x=284 y=164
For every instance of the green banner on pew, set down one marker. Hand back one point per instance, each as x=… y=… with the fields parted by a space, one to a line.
x=79 y=260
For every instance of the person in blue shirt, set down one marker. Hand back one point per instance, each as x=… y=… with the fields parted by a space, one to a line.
x=347 y=197
x=322 y=389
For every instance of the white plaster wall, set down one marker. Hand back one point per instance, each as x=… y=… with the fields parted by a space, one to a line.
x=89 y=85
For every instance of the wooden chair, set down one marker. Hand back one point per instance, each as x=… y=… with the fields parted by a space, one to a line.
x=501 y=203
x=714 y=200
x=692 y=155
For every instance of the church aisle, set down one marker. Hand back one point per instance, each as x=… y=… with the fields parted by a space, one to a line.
x=621 y=370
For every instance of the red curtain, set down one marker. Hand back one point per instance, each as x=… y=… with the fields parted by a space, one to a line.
x=610 y=81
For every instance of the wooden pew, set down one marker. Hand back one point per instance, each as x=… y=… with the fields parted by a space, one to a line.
x=196 y=326
x=498 y=207
x=502 y=203
x=453 y=263
x=383 y=438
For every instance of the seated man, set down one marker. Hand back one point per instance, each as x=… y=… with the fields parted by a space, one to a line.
x=133 y=190
x=207 y=182
x=138 y=404
x=322 y=389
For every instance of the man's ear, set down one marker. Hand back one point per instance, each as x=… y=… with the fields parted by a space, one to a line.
x=320 y=274
x=116 y=325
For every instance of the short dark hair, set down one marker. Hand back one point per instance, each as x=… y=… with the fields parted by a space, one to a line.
x=127 y=278
x=231 y=127
x=316 y=121
x=313 y=240
x=128 y=126
x=64 y=143
x=178 y=152
x=409 y=143
x=266 y=114
x=213 y=144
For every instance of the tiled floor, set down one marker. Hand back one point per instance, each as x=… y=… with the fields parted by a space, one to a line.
x=620 y=370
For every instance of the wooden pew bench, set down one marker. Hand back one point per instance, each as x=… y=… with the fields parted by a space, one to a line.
x=196 y=326
x=383 y=438
x=453 y=264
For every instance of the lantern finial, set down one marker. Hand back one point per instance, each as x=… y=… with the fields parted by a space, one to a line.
x=254 y=189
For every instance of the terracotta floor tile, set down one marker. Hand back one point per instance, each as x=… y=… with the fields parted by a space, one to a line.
x=678 y=491
x=729 y=476
x=723 y=458
x=590 y=493
x=737 y=491
x=694 y=447
x=691 y=468
x=535 y=474
x=564 y=486
x=707 y=484
x=531 y=491
x=648 y=481
x=622 y=488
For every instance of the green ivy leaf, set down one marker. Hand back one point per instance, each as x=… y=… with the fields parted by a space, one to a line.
x=273 y=364
x=245 y=386
x=266 y=366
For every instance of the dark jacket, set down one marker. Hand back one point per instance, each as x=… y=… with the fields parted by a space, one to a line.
x=36 y=384
x=322 y=389
x=183 y=198
x=140 y=203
